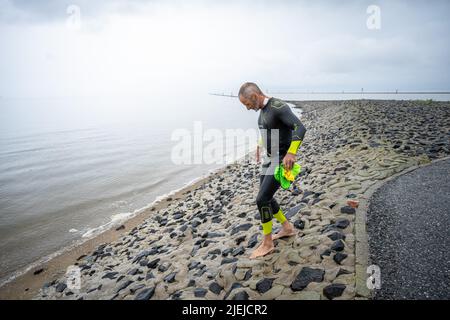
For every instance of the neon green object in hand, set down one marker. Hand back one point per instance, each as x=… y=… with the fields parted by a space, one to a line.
x=285 y=177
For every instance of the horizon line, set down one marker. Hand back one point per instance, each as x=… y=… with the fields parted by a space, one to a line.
x=341 y=92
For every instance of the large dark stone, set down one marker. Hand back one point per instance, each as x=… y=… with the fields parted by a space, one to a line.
x=215 y=287
x=336 y=236
x=338 y=245
x=252 y=241
x=339 y=257
x=238 y=251
x=241 y=295
x=264 y=285
x=240 y=239
x=163 y=267
x=327 y=252
x=143 y=262
x=195 y=223
x=306 y=276
x=124 y=285
x=153 y=264
x=216 y=220
x=133 y=271
x=194 y=250
x=170 y=277
x=144 y=254
x=145 y=294
x=140 y=255
x=228 y=260
x=215 y=251
x=334 y=290
x=227 y=251
x=191 y=283
x=348 y=210
x=60 y=287
x=199 y=241
x=293 y=211
x=110 y=275
x=233 y=286
x=207 y=242
x=212 y=235
x=178 y=215
x=242 y=227
x=248 y=275
x=242 y=215
x=342 y=223
x=200 y=292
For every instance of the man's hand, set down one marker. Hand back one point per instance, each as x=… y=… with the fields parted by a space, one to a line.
x=288 y=161
x=258 y=158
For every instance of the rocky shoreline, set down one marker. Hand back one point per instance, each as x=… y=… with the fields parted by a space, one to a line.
x=197 y=247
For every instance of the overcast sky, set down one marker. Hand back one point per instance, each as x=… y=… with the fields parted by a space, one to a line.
x=136 y=47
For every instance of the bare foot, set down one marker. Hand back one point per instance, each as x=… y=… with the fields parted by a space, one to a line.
x=262 y=250
x=287 y=230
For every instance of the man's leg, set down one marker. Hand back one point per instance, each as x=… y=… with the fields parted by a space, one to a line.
x=267 y=205
x=287 y=229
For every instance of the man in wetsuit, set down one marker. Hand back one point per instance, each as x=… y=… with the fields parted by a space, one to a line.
x=281 y=134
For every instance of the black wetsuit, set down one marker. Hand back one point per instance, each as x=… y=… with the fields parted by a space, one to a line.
x=275 y=115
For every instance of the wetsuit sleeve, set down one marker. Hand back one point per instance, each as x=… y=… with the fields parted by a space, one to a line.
x=260 y=140
x=289 y=119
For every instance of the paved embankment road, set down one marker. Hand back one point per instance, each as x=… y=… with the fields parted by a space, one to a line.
x=409 y=234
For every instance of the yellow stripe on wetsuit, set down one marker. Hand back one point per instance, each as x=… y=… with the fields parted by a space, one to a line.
x=293 y=148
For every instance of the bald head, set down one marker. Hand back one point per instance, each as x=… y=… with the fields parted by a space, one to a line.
x=248 y=89
x=251 y=96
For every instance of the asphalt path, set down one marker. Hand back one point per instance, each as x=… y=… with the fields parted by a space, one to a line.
x=408 y=225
